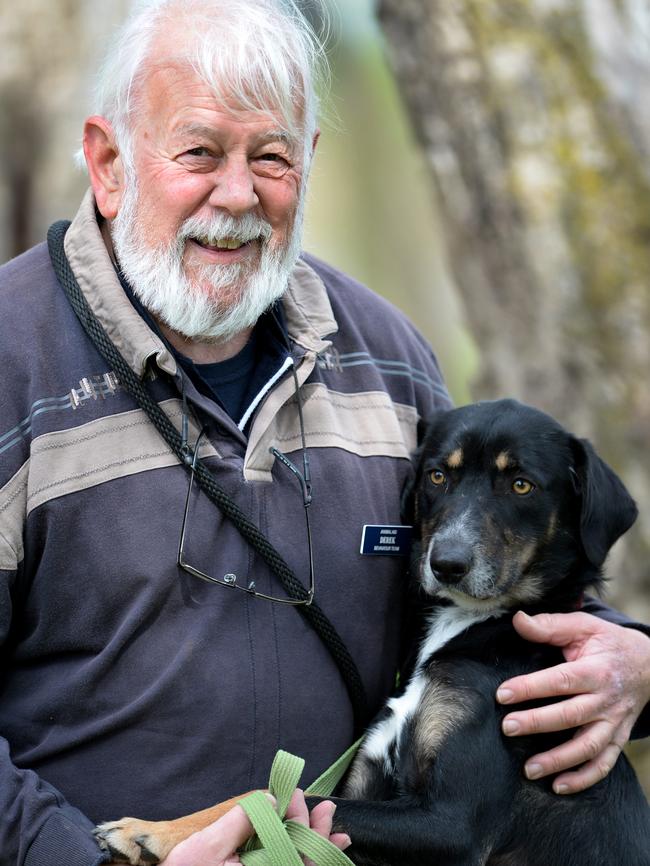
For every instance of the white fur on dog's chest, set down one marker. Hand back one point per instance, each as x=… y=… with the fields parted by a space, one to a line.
x=381 y=743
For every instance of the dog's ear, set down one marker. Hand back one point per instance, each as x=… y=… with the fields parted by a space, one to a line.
x=607 y=509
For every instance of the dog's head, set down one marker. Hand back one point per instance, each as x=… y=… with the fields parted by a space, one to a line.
x=506 y=505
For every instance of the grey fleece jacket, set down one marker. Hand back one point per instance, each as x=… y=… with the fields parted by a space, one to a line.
x=129 y=686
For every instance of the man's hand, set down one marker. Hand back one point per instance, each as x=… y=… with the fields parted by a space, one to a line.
x=607 y=671
x=217 y=844
x=319 y=819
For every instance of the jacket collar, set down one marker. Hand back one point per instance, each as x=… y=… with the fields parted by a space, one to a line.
x=307 y=308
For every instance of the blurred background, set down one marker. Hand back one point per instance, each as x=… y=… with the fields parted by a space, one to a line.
x=484 y=164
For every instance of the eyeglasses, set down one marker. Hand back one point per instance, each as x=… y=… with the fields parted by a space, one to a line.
x=230 y=580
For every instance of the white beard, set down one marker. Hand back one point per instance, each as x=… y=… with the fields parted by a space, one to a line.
x=158 y=278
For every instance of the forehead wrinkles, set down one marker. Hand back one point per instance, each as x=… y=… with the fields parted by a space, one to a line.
x=170 y=89
x=163 y=94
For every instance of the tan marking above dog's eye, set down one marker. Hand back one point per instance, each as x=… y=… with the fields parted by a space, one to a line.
x=522 y=487
x=437 y=477
x=455 y=459
x=503 y=461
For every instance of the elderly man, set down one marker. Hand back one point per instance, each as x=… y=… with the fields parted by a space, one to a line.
x=136 y=681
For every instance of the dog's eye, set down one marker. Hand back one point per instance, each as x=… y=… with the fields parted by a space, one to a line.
x=438 y=477
x=522 y=487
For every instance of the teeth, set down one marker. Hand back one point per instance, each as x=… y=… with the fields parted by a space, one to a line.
x=221 y=244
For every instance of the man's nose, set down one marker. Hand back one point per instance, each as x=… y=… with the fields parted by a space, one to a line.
x=234 y=189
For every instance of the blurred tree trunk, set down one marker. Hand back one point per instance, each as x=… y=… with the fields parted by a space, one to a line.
x=46 y=51
x=531 y=114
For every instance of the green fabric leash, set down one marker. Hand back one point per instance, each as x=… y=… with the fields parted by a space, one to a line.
x=279 y=841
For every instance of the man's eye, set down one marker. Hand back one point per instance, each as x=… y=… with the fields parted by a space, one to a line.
x=271 y=164
x=198 y=151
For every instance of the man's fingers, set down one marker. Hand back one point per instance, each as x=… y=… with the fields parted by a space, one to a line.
x=297 y=809
x=321 y=818
x=590 y=773
x=604 y=683
x=228 y=833
x=562 y=679
x=214 y=845
x=341 y=840
x=589 y=745
x=561 y=716
x=558 y=629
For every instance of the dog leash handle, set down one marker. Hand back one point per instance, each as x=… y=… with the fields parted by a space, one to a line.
x=279 y=841
x=329 y=779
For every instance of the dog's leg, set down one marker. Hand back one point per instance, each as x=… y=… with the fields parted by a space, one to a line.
x=368 y=779
x=407 y=832
x=142 y=843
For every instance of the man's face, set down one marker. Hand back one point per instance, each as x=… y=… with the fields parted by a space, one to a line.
x=216 y=200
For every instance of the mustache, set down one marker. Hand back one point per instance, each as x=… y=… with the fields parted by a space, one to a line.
x=217 y=227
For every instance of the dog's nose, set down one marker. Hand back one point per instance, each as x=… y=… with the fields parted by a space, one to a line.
x=451 y=563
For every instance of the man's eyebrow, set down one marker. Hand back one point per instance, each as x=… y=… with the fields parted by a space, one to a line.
x=195 y=129
x=280 y=135
x=200 y=130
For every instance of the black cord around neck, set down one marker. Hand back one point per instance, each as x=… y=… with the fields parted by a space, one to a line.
x=131 y=383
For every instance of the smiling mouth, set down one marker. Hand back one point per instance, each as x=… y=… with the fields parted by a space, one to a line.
x=226 y=243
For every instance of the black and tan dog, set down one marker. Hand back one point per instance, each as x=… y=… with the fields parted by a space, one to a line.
x=511 y=512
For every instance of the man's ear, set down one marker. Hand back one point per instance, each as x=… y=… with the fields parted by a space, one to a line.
x=607 y=509
x=104 y=165
x=309 y=157
x=314 y=142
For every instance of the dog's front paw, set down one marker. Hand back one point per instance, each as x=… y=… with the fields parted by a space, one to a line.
x=139 y=843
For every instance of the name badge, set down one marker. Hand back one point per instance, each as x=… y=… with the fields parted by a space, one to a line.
x=386 y=540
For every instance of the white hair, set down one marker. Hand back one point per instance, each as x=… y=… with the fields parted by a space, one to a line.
x=260 y=55
x=195 y=309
